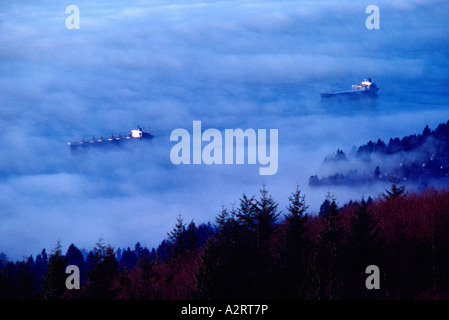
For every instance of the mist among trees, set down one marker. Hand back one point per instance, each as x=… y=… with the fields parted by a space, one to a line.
x=257 y=250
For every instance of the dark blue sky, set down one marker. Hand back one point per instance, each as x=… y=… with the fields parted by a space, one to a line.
x=164 y=64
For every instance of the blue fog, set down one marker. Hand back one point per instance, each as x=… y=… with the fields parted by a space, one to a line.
x=164 y=64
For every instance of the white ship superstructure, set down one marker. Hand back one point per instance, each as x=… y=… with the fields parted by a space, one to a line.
x=366 y=87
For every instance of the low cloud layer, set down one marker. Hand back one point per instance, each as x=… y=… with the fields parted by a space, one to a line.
x=164 y=64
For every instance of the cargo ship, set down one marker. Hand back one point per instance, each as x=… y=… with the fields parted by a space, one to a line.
x=365 y=88
x=135 y=134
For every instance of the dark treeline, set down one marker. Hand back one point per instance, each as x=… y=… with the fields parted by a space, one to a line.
x=256 y=250
x=420 y=158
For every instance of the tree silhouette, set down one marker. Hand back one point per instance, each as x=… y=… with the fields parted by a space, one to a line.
x=395 y=191
x=293 y=249
x=296 y=209
x=222 y=220
x=236 y=262
x=252 y=255
x=225 y=267
x=102 y=272
x=329 y=250
x=190 y=237
x=75 y=257
x=245 y=212
x=54 y=281
x=40 y=266
x=363 y=250
x=265 y=217
x=176 y=238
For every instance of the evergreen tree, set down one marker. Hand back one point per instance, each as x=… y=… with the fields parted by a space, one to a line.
x=102 y=272
x=217 y=268
x=426 y=132
x=40 y=266
x=190 y=237
x=329 y=250
x=265 y=217
x=296 y=209
x=203 y=232
x=163 y=251
x=245 y=212
x=23 y=285
x=146 y=263
x=138 y=250
x=231 y=260
x=293 y=255
x=237 y=261
x=262 y=265
x=396 y=191
x=54 y=280
x=8 y=281
x=221 y=220
x=363 y=250
x=176 y=238
x=75 y=257
x=128 y=259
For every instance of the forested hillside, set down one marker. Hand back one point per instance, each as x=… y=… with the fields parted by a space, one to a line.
x=420 y=159
x=256 y=251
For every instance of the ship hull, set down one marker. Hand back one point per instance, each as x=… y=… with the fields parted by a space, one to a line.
x=369 y=93
x=107 y=142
